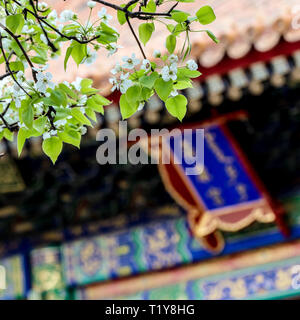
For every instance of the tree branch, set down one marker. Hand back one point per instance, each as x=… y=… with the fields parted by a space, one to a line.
x=21 y=47
x=135 y=36
x=8 y=68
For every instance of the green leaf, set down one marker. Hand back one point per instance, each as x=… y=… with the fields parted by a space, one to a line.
x=101 y=100
x=15 y=23
x=177 y=106
x=38 y=60
x=86 y=83
x=16 y=66
x=171 y=43
x=39 y=124
x=68 y=91
x=22 y=136
x=212 y=36
x=183 y=84
x=91 y=114
x=79 y=52
x=179 y=16
x=163 y=88
x=187 y=73
x=133 y=94
x=170 y=27
x=148 y=81
x=127 y=110
x=206 y=15
x=27 y=115
x=70 y=136
x=145 y=32
x=52 y=147
x=76 y=113
x=61 y=113
x=151 y=7
x=121 y=17
x=9 y=135
x=68 y=54
x=58 y=97
x=94 y=105
x=146 y=93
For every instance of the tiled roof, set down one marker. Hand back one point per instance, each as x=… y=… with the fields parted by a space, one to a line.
x=239 y=24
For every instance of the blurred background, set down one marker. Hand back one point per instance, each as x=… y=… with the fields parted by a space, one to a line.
x=80 y=230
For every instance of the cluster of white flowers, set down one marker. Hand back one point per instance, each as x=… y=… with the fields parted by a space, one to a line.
x=169 y=72
x=11 y=117
x=123 y=84
x=44 y=82
x=67 y=15
x=49 y=134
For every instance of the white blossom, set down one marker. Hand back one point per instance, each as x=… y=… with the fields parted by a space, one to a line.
x=67 y=84
x=156 y=54
x=141 y=106
x=169 y=73
x=43 y=38
x=28 y=29
x=41 y=68
x=130 y=62
x=192 y=65
x=42 y=5
x=102 y=14
x=60 y=123
x=116 y=69
x=16 y=89
x=91 y=4
x=173 y=58
x=44 y=82
x=53 y=132
x=52 y=16
x=46 y=135
x=146 y=65
x=82 y=101
x=174 y=93
x=115 y=83
x=67 y=15
x=2 y=15
x=77 y=83
x=38 y=109
x=125 y=85
x=20 y=76
x=11 y=116
x=91 y=57
x=6 y=44
x=113 y=48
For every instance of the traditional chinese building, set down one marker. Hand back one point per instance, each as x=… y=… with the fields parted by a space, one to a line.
x=80 y=230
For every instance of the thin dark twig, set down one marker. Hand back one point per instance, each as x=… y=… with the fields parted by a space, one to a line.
x=7 y=75
x=135 y=36
x=50 y=44
x=22 y=49
x=9 y=70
